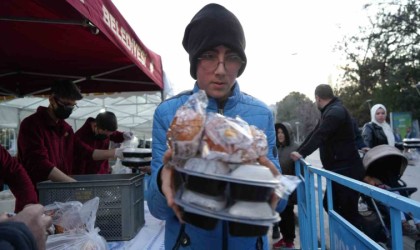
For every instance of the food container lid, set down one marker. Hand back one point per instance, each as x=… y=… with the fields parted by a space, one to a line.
x=135 y=162
x=206 y=166
x=253 y=173
x=224 y=214
x=249 y=174
x=411 y=140
x=247 y=209
x=133 y=159
x=214 y=203
x=137 y=152
x=411 y=145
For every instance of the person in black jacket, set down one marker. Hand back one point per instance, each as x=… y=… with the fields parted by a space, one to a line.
x=360 y=144
x=334 y=136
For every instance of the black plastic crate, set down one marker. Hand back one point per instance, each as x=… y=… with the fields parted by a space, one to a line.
x=121 y=201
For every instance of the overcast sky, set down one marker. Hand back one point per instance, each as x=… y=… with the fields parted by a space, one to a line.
x=289 y=44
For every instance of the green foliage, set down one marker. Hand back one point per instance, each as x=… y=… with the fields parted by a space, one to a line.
x=286 y=109
x=296 y=107
x=356 y=101
x=384 y=61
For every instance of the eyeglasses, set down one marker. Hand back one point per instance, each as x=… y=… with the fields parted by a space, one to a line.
x=210 y=62
x=67 y=105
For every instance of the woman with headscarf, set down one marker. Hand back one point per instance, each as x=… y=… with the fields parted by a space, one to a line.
x=378 y=131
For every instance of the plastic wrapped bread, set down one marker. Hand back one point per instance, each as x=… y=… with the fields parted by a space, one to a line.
x=231 y=140
x=259 y=144
x=185 y=132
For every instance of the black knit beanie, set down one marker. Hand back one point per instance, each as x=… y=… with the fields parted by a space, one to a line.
x=213 y=26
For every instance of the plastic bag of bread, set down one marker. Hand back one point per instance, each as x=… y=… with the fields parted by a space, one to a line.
x=77 y=241
x=76 y=222
x=231 y=140
x=65 y=216
x=259 y=144
x=185 y=132
x=73 y=215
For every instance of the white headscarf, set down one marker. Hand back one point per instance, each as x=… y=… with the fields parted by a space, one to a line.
x=385 y=126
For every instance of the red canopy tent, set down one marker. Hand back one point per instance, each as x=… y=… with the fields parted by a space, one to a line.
x=87 y=41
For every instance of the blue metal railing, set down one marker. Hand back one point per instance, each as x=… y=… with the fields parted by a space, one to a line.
x=341 y=233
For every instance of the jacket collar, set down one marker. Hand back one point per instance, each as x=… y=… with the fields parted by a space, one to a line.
x=333 y=100
x=48 y=121
x=232 y=100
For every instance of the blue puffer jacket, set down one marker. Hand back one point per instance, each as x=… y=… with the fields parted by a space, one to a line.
x=249 y=109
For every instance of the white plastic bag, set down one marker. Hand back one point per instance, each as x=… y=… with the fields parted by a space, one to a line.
x=78 y=222
x=77 y=241
x=288 y=183
x=118 y=168
x=133 y=143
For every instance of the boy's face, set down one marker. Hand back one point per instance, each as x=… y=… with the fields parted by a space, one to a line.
x=62 y=107
x=217 y=70
x=65 y=102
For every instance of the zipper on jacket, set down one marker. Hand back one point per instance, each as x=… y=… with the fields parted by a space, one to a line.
x=221 y=107
x=183 y=240
x=224 y=235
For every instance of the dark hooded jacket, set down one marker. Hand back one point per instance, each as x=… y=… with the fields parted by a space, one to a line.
x=286 y=163
x=16 y=235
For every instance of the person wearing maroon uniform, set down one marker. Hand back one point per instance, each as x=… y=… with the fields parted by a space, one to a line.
x=14 y=175
x=46 y=142
x=97 y=132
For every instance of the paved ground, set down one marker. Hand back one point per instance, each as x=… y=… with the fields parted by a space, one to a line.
x=297 y=240
x=411 y=176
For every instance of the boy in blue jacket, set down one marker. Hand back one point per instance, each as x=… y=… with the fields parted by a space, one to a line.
x=215 y=42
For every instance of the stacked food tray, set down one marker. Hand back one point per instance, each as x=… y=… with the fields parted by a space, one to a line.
x=237 y=193
x=136 y=158
x=411 y=143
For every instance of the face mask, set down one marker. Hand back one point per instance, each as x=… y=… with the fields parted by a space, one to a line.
x=62 y=112
x=100 y=136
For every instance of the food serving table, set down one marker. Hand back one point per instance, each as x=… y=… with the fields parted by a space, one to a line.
x=150 y=236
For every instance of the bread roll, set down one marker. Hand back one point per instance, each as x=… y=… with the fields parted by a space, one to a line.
x=185 y=131
x=186 y=125
x=259 y=144
x=226 y=139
